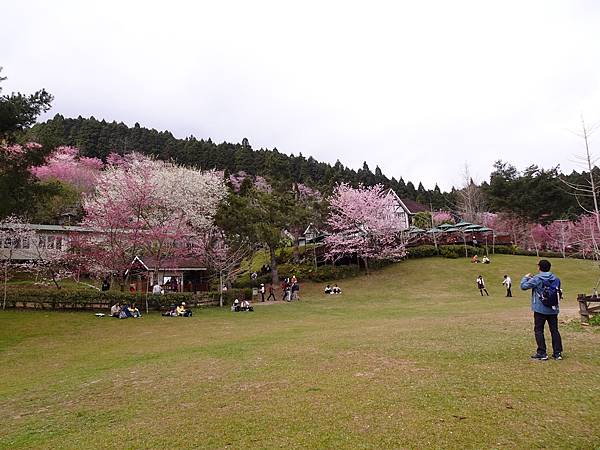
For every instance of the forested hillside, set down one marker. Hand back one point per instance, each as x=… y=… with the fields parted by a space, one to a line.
x=98 y=138
x=534 y=193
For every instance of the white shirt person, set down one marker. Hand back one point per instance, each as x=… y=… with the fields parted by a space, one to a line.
x=508 y=284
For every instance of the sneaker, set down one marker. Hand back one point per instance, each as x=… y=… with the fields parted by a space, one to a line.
x=539 y=357
x=557 y=356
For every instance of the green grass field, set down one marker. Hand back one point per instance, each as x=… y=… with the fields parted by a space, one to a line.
x=408 y=357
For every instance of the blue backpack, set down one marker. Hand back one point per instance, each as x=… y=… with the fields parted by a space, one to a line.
x=550 y=292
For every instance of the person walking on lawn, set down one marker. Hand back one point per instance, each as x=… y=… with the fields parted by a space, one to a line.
x=271 y=293
x=545 y=295
x=481 y=286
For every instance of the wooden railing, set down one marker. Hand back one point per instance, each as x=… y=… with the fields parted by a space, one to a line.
x=587 y=307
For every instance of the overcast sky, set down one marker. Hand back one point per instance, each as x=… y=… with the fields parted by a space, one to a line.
x=417 y=87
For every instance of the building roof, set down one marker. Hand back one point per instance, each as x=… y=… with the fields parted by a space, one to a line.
x=414 y=207
x=149 y=263
x=410 y=206
x=63 y=228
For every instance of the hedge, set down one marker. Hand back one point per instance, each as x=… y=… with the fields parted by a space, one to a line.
x=305 y=272
x=446 y=251
x=458 y=251
x=70 y=299
x=422 y=251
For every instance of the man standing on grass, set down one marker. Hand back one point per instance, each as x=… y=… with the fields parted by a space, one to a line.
x=508 y=284
x=545 y=288
x=262 y=292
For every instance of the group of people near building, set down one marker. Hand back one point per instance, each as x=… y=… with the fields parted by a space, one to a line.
x=171 y=285
x=291 y=289
x=125 y=311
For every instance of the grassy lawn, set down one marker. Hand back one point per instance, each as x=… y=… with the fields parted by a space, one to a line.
x=409 y=357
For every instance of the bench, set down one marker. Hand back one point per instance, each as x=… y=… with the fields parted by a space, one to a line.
x=586 y=306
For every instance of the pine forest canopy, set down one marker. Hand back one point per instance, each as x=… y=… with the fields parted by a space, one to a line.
x=97 y=139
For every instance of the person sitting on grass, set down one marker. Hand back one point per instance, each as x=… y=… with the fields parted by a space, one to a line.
x=246 y=306
x=475 y=259
x=336 y=289
x=485 y=260
x=134 y=311
x=328 y=289
x=235 y=307
x=115 y=310
x=171 y=312
x=125 y=312
x=183 y=310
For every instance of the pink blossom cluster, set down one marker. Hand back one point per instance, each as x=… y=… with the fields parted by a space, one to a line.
x=259 y=183
x=440 y=217
x=16 y=151
x=561 y=236
x=66 y=164
x=145 y=206
x=305 y=192
x=362 y=222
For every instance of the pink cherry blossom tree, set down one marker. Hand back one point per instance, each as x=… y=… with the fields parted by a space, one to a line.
x=585 y=236
x=363 y=224
x=143 y=206
x=539 y=237
x=560 y=236
x=440 y=217
x=511 y=225
x=17 y=152
x=66 y=164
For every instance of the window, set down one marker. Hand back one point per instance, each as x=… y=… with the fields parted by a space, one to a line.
x=59 y=241
x=25 y=242
x=42 y=241
x=51 y=242
x=7 y=242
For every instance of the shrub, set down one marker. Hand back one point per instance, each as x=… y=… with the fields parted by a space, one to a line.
x=327 y=272
x=230 y=295
x=245 y=280
x=505 y=249
x=422 y=251
x=450 y=251
x=595 y=320
x=70 y=299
